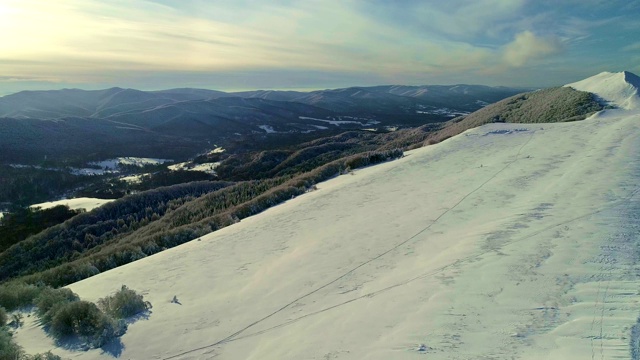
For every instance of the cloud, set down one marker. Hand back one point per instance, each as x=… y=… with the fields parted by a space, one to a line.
x=86 y=38
x=20 y=78
x=527 y=47
x=458 y=20
x=408 y=41
x=632 y=47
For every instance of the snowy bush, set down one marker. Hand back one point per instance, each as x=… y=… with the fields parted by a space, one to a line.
x=8 y=348
x=124 y=303
x=46 y=356
x=50 y=301
x=3 y=317
x=84 y=320
x=14 y=296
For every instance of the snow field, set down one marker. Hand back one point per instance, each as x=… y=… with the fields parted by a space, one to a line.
x=507 y=241
x=77 y=203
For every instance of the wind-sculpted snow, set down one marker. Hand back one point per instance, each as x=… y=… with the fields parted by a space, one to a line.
x=617 y=89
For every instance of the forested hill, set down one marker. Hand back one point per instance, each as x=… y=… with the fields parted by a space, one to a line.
x=560 y=104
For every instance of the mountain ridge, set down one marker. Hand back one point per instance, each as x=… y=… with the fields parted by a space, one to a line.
x=618 y=89
x=100 y=103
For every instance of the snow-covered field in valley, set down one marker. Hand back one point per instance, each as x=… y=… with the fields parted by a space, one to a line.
x=208 y=168
x=113 y=164
x=77 y=203
x=505 y=242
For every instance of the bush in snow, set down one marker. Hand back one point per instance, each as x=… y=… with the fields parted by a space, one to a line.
x=8 y=349
x=50 y=301
x=84 y=320
x=124 y=303
x=3 y=317
x=17 y=295
x=46 y=356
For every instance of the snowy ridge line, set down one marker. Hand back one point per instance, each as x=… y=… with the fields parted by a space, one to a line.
x=235 y=334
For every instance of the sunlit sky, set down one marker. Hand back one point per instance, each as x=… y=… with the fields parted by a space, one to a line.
x=286 y=44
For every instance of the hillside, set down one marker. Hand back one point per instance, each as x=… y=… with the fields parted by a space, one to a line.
x=509 y=240
x=257 y=173
x=551 y=105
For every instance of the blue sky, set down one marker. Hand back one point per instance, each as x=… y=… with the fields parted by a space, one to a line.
x=251 y=44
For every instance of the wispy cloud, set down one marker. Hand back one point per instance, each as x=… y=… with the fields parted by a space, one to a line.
x=632 y=47
x=407 y=41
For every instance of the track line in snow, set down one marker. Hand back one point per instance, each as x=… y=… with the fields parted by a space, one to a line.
x=235 y=334
x=604 y=301
x=612 y=205
x=428 y=274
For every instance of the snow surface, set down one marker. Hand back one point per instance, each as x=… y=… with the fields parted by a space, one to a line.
x=619 y=89
x=205 y=167
x=507 y=241
x=134 y=179
x=113 y=164
x=443 y=111
x=217 y=150
x=189 y=166
x=77 y=203
x=334 y=122
x=179 y=166
x=90 y=171
x=268 y=129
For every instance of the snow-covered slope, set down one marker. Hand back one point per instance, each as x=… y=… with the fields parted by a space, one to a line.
x=507 y=241
x=619 y=89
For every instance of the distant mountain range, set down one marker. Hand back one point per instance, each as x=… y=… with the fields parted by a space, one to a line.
x=178 y=123
x=370 y=101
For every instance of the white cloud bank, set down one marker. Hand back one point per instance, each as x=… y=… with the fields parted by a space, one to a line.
x=527 y=47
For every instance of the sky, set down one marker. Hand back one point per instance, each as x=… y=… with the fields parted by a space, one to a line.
x=311 y=44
